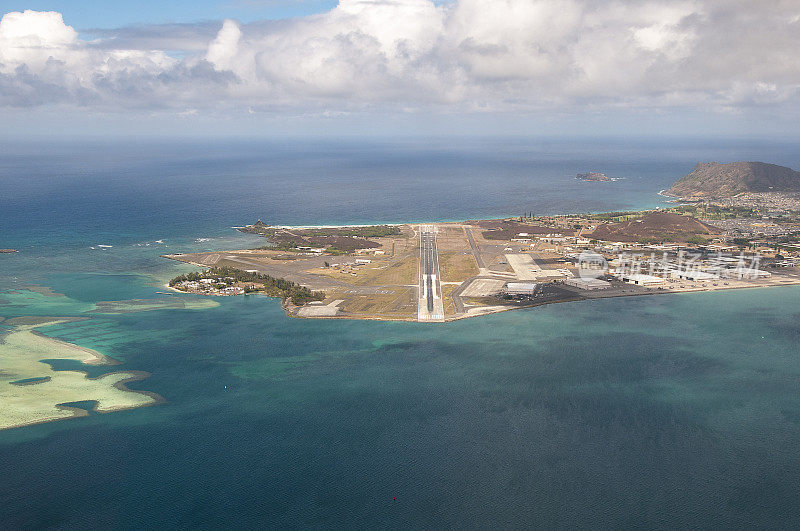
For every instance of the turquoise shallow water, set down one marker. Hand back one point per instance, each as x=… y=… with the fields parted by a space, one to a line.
x=659 y=412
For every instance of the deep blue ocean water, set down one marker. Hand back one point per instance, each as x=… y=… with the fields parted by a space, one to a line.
x=655 y=412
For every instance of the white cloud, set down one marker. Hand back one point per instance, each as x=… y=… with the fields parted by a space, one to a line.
x=42 y=61
x=414 y=54
x=223 y=49
x=36 y=29
x=33 y=38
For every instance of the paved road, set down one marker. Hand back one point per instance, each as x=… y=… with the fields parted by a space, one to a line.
x=475 y=251
x=458 y=303
x=430 y=306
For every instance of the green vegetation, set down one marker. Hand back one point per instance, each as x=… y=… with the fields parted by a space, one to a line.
x=616 y=217
x=696 y=210
x=374 y=231
x=274 y=287
x=708 y=211
x=334 y=240
x=371 y=231
x=698 y=240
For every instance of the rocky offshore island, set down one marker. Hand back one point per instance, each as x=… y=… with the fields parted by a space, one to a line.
x=592 y=176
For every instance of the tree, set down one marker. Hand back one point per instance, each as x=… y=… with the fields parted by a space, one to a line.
x=697 y=239
x=741 y=242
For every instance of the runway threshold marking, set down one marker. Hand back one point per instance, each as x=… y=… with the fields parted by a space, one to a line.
x=430 y=305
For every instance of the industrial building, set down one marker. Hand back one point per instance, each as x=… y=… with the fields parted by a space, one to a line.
x=642 y=280
x=747 y=273
x=520 y=288
x=693 y=275
x=589 y=284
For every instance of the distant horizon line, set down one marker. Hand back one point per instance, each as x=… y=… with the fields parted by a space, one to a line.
x=369 y=138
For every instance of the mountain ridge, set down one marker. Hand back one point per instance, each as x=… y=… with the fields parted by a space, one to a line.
x=712 y=179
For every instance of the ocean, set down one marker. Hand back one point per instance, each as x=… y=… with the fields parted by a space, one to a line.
x=653 y=412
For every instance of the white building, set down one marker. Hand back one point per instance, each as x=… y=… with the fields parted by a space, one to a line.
x=701 y=276
x=747 y=273
x=520 y=288
x=640 y=279
x=589 y=284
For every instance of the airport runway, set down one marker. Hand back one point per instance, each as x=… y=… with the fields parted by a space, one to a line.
x=430 y=306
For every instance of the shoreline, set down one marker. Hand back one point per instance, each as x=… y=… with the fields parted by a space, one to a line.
x=76 y=412
x=349 y=226
x=291 y=311
x=669 y=197
x=98 y=358
x=366 y=296
x=44 y=408
x=492 y=217
x=500 y=309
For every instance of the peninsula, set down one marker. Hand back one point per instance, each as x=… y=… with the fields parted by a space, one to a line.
x=715 y=180
x=446 y=271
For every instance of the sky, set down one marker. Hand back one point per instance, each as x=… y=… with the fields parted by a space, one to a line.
x=384 y=67
x=87 y=14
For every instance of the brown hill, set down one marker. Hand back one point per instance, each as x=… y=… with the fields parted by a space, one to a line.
x=654 y=227
x=712 y=179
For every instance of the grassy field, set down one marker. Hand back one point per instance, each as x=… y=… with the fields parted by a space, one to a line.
x=457 y=266
x=401 y=302
x=378 y=273
x=403 y=272
x=449 y=307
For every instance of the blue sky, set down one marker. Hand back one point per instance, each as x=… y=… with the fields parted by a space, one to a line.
x=383 y=66
x=85 y=14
